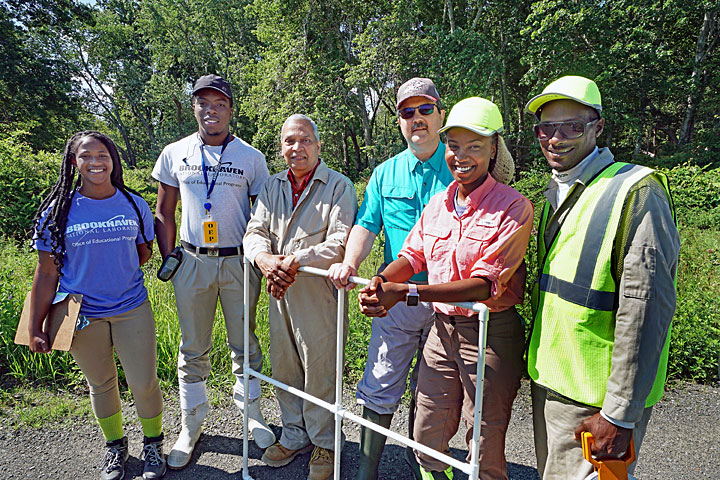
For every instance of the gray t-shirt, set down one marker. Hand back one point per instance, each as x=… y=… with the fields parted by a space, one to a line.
x=243 y=172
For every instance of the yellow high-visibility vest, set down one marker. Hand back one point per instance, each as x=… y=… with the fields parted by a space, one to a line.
x=574 y=300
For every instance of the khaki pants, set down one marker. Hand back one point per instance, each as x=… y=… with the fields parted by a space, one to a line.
x=199 y=283
x=132 y=336
x=446 y=386
x=302 y=352
x=555 y=418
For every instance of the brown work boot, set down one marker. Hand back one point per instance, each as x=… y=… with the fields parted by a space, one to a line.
x=322 y=464
x=278 y=456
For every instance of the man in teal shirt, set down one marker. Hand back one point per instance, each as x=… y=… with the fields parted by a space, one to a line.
x=398 y=190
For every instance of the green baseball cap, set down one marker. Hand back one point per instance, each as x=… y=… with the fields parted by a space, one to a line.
x=475 y=114
x=483 y=117
x=572 y=87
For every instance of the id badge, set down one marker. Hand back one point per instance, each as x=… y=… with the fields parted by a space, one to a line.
x=210 y=232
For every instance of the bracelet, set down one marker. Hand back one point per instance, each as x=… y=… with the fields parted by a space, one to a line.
x=381 y=276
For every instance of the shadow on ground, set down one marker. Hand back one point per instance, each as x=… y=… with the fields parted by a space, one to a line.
x=393 y=463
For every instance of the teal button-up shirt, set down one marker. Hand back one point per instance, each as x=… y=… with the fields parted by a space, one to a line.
x=396 y=194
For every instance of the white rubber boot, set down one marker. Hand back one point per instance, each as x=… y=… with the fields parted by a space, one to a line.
x=192 y=421
x=264 y=437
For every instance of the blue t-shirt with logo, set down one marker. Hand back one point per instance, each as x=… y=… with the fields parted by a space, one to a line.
x=101 y=260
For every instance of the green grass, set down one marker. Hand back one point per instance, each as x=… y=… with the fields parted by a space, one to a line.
x=695 y=338
x=36 y=407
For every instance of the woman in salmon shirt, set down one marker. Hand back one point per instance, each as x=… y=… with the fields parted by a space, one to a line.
x=471 y=239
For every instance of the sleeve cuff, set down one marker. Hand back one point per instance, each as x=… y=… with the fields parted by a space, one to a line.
x=414 y=263
x=622 y=410
x=371 y=227
x=618 y=423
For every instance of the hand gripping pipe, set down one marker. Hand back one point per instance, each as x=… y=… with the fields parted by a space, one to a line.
x=338 y=410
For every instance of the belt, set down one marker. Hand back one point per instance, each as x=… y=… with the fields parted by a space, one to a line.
x=212 y=251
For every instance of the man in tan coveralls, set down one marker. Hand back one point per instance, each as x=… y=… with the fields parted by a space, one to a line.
x=302 y=218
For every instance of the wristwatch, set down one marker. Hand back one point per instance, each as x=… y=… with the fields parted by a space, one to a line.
x=412 y=299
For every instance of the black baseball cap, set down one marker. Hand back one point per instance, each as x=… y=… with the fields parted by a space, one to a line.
x=214 y=82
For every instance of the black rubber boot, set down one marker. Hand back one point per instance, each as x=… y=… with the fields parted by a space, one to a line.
x=371 y=445
x=409 y=453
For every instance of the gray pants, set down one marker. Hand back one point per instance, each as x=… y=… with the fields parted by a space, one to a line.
x=555 y=418
x=394 y=340
x=199 y=282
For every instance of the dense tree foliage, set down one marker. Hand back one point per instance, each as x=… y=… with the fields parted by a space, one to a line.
x=129 y=65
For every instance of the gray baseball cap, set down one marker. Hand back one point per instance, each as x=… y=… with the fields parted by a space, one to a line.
x=418 y=87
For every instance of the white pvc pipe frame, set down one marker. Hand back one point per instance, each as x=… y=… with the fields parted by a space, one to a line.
x=338 y=410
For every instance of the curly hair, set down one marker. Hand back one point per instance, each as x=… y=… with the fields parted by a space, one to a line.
x=58 y=201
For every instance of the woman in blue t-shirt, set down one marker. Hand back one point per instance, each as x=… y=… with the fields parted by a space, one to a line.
x=92 y=234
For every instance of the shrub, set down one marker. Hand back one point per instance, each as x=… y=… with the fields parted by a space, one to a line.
x=25 y=178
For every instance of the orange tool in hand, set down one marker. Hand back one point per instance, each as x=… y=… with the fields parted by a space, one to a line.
x=608 y=469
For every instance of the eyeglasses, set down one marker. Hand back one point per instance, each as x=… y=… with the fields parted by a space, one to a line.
x=409 y=112
x=568 y=130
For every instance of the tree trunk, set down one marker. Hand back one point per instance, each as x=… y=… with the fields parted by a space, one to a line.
x=451 y=17
x=346 y=160
x=358 y=157
x=477 y=14
x=112 y=110
x=178 y=107
x=367 y=127
x=138 y=114
x=705 y=43
x=503 y=88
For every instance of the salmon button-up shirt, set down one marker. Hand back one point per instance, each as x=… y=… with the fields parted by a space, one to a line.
x=489 y=240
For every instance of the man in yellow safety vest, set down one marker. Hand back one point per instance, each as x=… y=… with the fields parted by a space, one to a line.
x=605 y=295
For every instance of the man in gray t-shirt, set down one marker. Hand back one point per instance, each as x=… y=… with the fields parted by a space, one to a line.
x=215 y=176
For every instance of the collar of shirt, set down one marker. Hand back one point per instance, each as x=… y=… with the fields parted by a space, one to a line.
x=598 y=159
x=193 y=147
x=436 y=162
x=473 y=200
x=570 y=175
x=298 y=189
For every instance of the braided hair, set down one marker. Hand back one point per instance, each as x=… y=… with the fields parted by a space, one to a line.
x=60 y=197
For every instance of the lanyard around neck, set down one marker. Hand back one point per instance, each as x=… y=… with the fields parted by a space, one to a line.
x=209 y=187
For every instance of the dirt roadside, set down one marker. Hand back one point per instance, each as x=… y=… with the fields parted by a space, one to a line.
x=682 y=443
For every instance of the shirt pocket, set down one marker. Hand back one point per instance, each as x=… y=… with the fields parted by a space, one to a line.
x=437 y=242
x=478 y=236
x=400 y=207
x=639 y=273
x=305 y=239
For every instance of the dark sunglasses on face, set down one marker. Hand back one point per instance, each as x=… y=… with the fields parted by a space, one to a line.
x=409 y=112
x=568 y=130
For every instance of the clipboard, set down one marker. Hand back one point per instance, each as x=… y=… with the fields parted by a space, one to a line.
x=59 y=324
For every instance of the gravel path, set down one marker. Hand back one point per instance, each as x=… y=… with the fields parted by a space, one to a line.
x=681 y=443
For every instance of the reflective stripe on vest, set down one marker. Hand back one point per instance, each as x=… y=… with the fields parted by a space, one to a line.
x=574 y=300
x=579 y=291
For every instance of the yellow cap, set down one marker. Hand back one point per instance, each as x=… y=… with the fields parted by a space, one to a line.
x=483 y=117
x=572 y=87
x=476 y=114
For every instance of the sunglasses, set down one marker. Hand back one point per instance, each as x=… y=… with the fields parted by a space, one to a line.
x=568 y=130
x=409 y=112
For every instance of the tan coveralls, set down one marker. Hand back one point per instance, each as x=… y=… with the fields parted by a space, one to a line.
x=303 y=323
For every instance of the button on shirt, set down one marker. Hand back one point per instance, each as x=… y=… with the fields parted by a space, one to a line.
x=488 y=240
x=396 y=194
